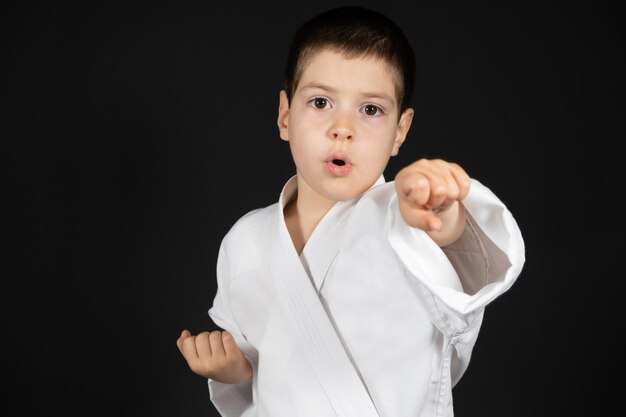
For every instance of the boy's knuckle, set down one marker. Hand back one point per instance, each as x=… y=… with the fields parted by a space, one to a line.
x=420 y=184
x=439 y=190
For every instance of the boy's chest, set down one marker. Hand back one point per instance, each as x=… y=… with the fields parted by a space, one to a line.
x=363 y=288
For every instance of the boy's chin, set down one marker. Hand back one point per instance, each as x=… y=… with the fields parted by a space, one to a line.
x=338 y=189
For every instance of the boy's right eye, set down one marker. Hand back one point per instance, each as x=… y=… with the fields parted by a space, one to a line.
x=319 y=103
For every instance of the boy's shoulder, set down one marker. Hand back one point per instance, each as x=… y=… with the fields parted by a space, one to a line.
x=376 y=200
x=379 y=193
x=254 y=224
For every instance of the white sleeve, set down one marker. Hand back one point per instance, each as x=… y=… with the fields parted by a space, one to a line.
x=231 y=400
x=458 y=281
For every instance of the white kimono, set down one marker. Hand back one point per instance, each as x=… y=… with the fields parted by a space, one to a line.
x=373 y=319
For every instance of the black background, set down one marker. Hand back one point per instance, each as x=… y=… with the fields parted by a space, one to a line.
x=134 y=134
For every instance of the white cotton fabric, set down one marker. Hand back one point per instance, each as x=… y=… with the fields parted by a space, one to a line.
x=407 y=312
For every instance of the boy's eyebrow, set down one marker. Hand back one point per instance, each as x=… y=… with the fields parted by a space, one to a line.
x=314 y=85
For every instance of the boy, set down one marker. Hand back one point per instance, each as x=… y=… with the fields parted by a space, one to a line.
x=352 y=296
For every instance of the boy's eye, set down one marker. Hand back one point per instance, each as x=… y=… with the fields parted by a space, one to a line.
x=372 y=110
x=319 y=103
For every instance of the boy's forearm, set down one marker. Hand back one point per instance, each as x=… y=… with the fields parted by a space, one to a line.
x=453 y=220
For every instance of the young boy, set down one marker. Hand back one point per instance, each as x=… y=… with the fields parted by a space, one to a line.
x=353 y=296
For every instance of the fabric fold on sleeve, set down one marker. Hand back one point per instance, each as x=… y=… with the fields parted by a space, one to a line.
x=466 y=276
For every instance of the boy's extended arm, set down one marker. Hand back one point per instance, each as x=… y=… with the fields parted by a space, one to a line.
x=429 y=196
x=457 y=281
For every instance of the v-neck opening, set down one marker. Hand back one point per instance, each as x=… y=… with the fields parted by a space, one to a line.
x=324 y=242
x=289 y=192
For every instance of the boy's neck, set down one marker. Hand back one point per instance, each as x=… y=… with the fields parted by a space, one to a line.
x=309 y=205
x=303 y=214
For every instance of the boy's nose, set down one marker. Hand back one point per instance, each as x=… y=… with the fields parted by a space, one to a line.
x=342 y=129
x=342 y=133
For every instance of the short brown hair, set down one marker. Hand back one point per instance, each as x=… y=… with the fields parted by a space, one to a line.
x=353 y=31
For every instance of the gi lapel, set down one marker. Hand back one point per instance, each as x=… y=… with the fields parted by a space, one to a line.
x=309 y=319
x=325 y=242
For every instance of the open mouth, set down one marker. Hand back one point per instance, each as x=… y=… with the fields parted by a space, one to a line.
x=339 y=166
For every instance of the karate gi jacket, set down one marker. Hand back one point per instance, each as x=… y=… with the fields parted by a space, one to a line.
x=372 y=319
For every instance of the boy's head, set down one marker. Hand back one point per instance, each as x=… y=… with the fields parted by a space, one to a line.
x=345 y=108
x=353 y=32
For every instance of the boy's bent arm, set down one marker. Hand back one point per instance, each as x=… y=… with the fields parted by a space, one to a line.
x=215 y=355
x=230 y=399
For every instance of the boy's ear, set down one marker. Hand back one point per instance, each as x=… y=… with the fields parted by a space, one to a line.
x=401 y=131
x=283 y=116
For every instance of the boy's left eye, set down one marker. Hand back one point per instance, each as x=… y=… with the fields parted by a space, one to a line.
x=372 y=110
x=319 y=103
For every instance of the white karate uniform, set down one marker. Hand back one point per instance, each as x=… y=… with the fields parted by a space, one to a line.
x=406 y=312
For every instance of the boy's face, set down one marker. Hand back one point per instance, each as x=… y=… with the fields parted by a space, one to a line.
x=342 y=124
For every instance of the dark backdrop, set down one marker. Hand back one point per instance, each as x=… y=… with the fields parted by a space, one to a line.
x=135 y=134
